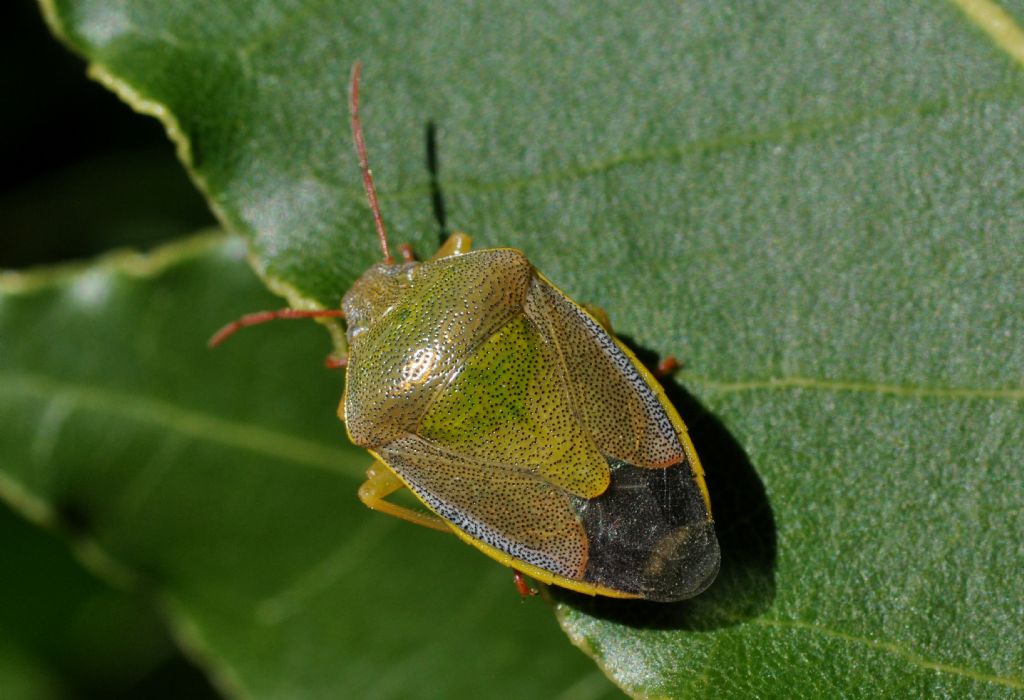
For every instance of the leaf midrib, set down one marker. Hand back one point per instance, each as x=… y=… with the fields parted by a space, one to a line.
x=235 y=434
x=794 y=382
x=893 y=648
x=788 y=132
x=992 y=19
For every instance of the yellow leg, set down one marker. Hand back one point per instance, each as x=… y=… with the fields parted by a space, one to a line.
x=457 y=244
x=380 y=483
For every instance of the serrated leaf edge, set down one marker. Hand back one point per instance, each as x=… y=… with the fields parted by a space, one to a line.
x=146 y=105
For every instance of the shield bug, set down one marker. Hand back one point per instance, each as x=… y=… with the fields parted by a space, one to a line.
x=519 y=420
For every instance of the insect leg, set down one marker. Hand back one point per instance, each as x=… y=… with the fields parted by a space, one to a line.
x=525 y=591
x=380 y=483
x=665 y=368
x=335 y=362
x=457 y=244
x=406 y=252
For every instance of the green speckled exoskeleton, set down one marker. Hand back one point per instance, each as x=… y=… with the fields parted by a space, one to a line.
x=519 y=420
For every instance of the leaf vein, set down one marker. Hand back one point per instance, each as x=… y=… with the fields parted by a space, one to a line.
x=895 y=649
x=321 y=576
x=994 y=21
x=840 y=385
x=196 y=424
x=791 y=131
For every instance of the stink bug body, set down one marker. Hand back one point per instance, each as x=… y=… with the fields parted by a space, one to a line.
x=521 y=422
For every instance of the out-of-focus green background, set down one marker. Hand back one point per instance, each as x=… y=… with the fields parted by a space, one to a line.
x=80 y=174
x=82 y=617
x=75 y=158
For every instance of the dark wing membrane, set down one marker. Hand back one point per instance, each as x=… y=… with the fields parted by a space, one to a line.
x=511 y=510
x=649 y=534
x=548 y=445
x=610 y=397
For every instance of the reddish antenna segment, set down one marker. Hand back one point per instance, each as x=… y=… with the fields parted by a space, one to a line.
x=364 y=166
x=259 y=317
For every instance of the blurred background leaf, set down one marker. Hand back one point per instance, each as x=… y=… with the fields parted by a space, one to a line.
x=225 y=488
x=79 y=173
x=818 y=207
x=64 y=633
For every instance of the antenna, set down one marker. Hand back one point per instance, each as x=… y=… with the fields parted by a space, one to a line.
x=260 y=317
x=255 y=319
x=364 y=166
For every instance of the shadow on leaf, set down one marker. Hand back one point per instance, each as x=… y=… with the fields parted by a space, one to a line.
x=744 y=523
x=436 y=196
x=745 y=585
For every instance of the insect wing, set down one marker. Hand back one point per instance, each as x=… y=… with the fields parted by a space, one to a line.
x=651 y=532
x=551 y=444
x=610 y=396
x=505 y=508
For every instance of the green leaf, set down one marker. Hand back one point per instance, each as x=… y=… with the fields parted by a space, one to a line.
x=225 y=487
x=65 y=634
x=817 y=206
x=138 y=199
x=74 y=159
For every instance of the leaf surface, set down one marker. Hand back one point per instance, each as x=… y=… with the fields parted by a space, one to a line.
x=66 y=634
x=818 y=207
x=226 y=488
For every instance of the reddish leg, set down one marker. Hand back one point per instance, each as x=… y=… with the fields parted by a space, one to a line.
x=405 y=250
x=259 y=317
x=335 y=362
x=522 y=586
x=666 y=367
